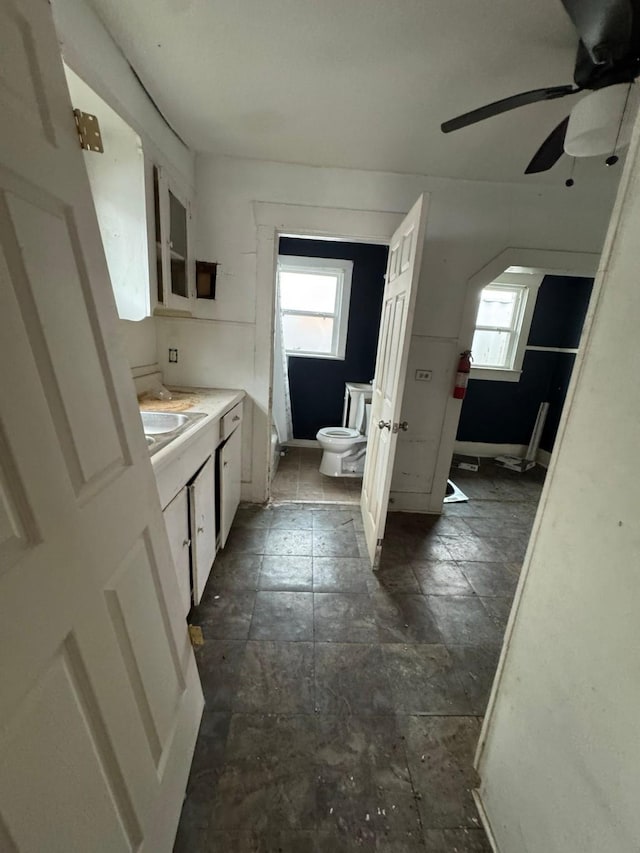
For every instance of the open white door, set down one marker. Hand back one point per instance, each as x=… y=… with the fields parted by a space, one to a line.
x=401 y=284
x=100 y=700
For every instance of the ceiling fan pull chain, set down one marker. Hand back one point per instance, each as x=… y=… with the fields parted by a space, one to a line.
x=613 y=158
x=570 y=182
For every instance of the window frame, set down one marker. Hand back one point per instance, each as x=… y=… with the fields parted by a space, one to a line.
x=528 y=285
x=343 y=270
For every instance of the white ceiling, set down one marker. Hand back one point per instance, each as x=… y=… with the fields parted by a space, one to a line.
x=354 y=83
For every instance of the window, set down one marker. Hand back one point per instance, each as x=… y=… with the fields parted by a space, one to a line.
x=502 y=326
x=314 y=303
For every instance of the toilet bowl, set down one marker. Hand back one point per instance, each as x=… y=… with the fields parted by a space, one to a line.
x=344 y=448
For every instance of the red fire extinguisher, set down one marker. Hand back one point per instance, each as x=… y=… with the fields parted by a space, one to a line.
x=462 y=376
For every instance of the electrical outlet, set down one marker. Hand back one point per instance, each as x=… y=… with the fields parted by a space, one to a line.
x=423 y=375
x=173 y=356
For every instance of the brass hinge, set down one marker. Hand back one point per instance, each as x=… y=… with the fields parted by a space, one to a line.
x=88 y=131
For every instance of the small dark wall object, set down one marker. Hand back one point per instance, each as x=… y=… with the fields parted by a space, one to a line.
x=206 y=273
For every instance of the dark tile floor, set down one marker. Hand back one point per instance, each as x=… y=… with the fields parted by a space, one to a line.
x=344 y=707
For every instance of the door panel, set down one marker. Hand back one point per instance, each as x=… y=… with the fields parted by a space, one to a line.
x=59 y=720
x=202 y=509
x=44 y=272
x=100 y=699
x=176 y=519
x=403 y=272
x=153 y=667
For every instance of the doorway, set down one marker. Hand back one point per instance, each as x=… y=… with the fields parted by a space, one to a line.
x=527 y=332
x=326 y=320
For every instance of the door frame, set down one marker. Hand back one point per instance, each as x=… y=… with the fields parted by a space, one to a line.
x=274 y=220
x=544 y=261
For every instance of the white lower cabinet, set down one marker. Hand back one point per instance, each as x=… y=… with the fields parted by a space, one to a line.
x=230 y=476
x=202 y=512
x=198 y=519
x=176 y=518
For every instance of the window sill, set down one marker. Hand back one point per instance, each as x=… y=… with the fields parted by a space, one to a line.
x=497 y=374
x=327 y=356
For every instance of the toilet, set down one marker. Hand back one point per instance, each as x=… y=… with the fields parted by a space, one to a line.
x=344 y=448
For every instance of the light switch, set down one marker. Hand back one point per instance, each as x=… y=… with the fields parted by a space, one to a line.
x=173 y=355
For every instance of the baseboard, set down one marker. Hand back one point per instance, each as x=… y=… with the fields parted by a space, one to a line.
x=543 y=458
x=485 y=820
x=301 y=442
x=418 y=502
x=487 y=449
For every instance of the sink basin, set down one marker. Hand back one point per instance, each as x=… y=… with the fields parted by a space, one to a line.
x=162 y=427
x=160 y=423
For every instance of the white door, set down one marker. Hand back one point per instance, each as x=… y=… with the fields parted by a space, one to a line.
x=401 y=284
x=202 y=509
x=176 y=519
x=230 y=477
x=100 y=699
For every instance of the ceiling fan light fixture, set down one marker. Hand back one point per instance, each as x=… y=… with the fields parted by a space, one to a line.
x=602 y=121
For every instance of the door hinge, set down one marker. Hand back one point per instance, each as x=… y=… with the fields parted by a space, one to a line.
x=88 y=131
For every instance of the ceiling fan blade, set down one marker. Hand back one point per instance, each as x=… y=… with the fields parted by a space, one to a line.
x=604 y=28
x=506 y=104
x=550 y=151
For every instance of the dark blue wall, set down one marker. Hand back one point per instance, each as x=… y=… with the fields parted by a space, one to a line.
x=317 y=384
x=505 y=412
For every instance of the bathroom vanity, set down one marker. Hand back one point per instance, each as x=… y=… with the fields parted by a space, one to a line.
x=198 y=471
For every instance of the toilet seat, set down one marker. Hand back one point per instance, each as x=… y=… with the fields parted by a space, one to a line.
x=339 y=432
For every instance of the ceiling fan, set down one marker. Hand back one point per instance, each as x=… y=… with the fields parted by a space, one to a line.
x=608 y=54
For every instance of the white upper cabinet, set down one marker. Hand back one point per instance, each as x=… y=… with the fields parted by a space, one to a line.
x=129 y=226
x=175 y=265
x=117 y=180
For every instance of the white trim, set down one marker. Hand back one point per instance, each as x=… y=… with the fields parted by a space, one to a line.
x=145 y=370
x=530 y=284
x=572 y=350
x=488 y=450
x=484 y=819
x=543 y=457
x=273 y=219
x=301 y=442
x=343 y=270
x=499 y=374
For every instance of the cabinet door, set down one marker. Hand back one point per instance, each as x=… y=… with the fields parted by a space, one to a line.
x=202 y=509
x=230 y=473
x=175 y=267
x=176 y=519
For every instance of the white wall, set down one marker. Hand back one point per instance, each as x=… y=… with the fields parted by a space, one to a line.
x=560 y=766
x=469 y=224
x=89 y=50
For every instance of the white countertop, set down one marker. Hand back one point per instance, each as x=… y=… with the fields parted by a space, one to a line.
x=213 y=402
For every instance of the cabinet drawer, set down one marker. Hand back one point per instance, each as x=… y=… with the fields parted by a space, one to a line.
x=230 y=421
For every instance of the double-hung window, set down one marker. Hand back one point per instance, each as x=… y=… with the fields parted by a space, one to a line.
x=502 y=326
x=314 y=298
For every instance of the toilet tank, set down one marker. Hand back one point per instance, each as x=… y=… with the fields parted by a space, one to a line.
x=363 y=415
x=354 y=395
